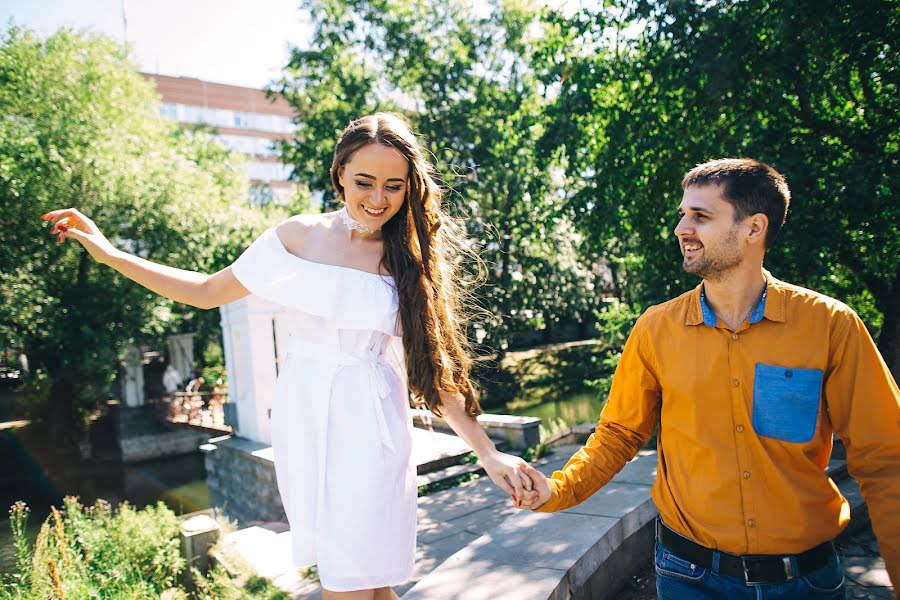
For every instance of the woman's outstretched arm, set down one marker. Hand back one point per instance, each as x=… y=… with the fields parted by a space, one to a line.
x=188 y=287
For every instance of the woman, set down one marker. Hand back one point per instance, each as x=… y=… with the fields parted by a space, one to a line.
x=366 y=285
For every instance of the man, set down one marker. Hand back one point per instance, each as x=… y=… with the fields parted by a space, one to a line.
x=748 y=378
x=171 y=379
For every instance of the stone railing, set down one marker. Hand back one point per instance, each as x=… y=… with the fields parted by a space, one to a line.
x=588 y=551
x=518 y=433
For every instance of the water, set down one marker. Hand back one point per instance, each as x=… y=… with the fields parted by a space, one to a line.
x=572 y=409
x=40 y=476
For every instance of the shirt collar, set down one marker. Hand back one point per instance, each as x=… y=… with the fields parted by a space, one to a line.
x=772 y=305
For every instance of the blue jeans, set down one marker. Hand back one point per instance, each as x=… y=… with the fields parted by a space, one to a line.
x=678 y=579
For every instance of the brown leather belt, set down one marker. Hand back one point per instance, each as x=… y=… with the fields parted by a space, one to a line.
x=754 y=569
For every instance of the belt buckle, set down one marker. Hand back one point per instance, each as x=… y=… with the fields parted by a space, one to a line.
x=747 y=561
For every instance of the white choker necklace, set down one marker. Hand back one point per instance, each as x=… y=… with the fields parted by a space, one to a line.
x=353 y=224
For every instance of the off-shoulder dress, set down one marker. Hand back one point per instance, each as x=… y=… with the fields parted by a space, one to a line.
x=340 y=421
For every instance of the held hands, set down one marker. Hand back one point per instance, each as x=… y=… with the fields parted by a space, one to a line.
x=527 y=486
x=540 y=489
x=507 y=473
x=70 y=222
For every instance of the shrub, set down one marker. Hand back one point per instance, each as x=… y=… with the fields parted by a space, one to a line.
x=95 y=553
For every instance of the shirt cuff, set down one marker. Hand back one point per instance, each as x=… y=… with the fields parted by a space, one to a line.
x=551 y=505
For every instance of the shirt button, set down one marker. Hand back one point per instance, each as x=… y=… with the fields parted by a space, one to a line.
x=751 y=523
x=734 y=336
x=746 y=474
x=739 y=429
x=735 y=383
x=788 y=373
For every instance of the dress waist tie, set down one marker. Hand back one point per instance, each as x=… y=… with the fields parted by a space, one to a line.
x=375 y=365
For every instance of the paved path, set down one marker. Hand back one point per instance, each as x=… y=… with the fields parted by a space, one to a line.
x=450 y=520
x=447 y=522
x=863 y=565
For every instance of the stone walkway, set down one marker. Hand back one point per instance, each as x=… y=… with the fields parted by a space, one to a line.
x=450 y=520
x=447 y=522
x=863 y=565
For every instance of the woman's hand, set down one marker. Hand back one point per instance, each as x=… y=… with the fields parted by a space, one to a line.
x=540 y=489
x=508 y=473
x=189 y=287
x=70 y=222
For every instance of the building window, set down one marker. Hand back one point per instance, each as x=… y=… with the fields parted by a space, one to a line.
x=220 y=117
x=261 y=171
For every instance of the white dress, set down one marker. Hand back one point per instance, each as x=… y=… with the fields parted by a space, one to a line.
x=341 y=427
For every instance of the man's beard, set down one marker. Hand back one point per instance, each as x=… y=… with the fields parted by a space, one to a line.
x=713 y=267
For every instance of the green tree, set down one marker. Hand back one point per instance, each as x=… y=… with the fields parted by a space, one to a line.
x=648 y=89
x=79 y=127
x=463 y=76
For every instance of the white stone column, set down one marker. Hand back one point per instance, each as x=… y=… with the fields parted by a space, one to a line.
x=134 y=377
x=249 y=335
x=181 y=353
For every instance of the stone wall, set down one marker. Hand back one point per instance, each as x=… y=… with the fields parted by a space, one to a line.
x=141 y=435
x=240 y=474
x=171 y=443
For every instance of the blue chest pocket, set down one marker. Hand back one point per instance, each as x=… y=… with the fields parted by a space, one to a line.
x=786 y=402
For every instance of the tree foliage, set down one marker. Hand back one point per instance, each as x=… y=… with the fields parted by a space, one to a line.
x=647 y=89
x=79 y=127
x=564 y=134
x=461 y=72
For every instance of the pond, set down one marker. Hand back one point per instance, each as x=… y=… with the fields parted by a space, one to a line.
x=29 y=471
x=572 y=409
x=549 y=382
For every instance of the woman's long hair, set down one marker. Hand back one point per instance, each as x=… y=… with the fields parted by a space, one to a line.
x=422 y=247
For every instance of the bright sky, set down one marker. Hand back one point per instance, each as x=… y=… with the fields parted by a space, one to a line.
x=240 y=42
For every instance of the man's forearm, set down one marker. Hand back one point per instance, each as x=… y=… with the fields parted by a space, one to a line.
x=608 y=449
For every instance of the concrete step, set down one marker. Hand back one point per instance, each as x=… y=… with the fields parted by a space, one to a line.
x=434 y=451
x=265 y=549
x=449 y=473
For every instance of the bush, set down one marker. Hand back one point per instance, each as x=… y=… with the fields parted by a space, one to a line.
x=36 y=394
x=95 y=553
x=615 y=321
x=218 y=585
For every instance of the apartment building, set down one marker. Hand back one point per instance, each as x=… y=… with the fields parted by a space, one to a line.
x=243 y=119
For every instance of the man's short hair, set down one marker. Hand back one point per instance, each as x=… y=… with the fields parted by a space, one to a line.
x=749 y=185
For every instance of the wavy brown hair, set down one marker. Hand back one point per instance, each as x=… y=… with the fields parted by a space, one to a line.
x=422 y=251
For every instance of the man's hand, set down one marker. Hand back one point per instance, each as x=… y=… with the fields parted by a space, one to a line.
x=539 y=493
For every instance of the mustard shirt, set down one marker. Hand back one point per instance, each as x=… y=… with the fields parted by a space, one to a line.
x=747 y=418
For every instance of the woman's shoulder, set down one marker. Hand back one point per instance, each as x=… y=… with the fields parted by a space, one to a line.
x=299 y=231
x=303 y=223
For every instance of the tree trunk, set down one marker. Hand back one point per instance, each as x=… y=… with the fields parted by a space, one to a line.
x=503 y=282
x=61 y=410
x=889 y=338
